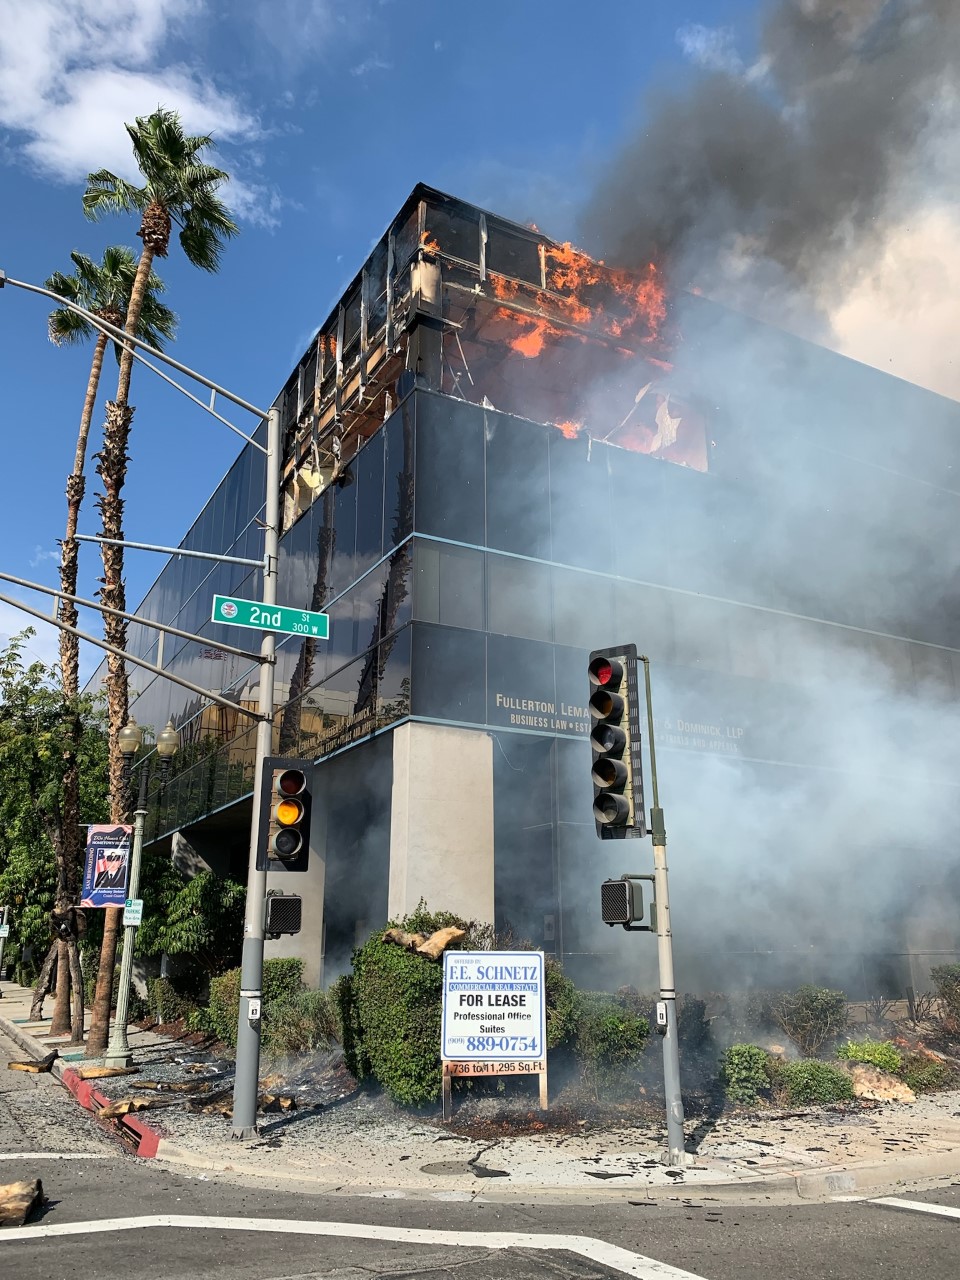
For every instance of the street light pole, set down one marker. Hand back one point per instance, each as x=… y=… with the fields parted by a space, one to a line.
x=676 y=1153
x=131 y=739
x=247 y=1080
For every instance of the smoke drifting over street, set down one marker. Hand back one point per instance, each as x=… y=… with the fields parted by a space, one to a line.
x=775 y=187
x=777 y=184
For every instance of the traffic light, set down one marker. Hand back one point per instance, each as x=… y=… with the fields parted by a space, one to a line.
x=283 y=832
x=615 y=740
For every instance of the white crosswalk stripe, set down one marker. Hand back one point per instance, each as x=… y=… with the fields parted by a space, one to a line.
x=625 y=1261
x=918 y=1206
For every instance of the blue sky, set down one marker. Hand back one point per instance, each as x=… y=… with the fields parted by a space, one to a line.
x=327 y=112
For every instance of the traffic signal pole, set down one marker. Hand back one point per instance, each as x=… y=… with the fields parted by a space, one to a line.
x=675 y=1153
x=247 y=1079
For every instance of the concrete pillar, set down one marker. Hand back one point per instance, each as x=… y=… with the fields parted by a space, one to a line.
x=307 y=945
x=441 y=821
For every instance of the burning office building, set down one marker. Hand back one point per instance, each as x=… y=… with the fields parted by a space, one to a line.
x=500 y=454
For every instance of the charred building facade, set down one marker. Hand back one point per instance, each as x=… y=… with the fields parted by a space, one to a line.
x=500 y=454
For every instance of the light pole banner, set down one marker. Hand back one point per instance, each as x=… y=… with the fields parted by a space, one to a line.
x=107 y=866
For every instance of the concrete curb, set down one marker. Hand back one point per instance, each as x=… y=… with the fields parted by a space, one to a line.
x=134 y=1131
x=819 y=1184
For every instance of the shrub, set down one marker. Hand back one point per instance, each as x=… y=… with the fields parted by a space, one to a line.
x=811 y=1016
x=562 y=1005
x=946 y=979
x=924 y=1074
x=297 y=1024
x=344 y=1007
x=879 y=1053
x=693 y=1026
x=395 y=1000
x=809 y=1081
x=165 y=1003
x=749 y=1012
x=744 y=1072
x=282 y=981
x=609 y=1041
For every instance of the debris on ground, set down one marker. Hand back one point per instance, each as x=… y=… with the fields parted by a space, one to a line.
x=871 y=1083
x=18 y=1200
x=104 y=1073
x=35 y=1065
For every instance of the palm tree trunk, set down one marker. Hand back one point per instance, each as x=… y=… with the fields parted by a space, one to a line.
x=42 y=989
x=67 y=847
x=112 y=469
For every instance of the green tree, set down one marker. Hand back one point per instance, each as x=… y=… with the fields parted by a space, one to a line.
x=104 y=289
x=31 y=787
x=179 y=187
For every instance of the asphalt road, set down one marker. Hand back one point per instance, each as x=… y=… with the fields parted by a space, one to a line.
x=243 y=1232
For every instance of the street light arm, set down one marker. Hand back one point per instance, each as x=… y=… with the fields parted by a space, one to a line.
x=127 y=340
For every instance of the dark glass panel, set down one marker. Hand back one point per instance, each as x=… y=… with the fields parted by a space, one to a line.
x=583 y=609
x=398 y=497
x=456 y=231
x=521 y=688
x=581 y=512
x=367 y=468
x=518 y=485
x=511 y=254
x=448 y=673
x=449 y=585
x=518 y=597
x=343 y=568
x=449 y=484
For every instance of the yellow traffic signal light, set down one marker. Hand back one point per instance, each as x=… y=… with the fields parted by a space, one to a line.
x=285 y=804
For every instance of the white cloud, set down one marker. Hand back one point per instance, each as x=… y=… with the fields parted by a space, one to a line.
x=903 y=315
x=373 y=63
x=40 y=554
x=44 y=645
x=72 y=71
x=714 y=49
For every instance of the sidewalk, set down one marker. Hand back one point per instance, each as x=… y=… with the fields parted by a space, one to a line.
x=362 y=1145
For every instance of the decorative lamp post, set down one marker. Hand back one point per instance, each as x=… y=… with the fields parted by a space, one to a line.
x=131 y=739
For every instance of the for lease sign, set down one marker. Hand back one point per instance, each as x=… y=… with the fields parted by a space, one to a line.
x=493 y=1006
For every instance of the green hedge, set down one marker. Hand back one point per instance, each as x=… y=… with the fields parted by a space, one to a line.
x=394 y=1012
x=807 y=1081
x=745 y=1072
x=610 y=1038
x=878 y=1053
x=282 y=981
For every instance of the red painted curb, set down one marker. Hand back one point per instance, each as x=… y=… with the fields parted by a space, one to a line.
x=91 y=1099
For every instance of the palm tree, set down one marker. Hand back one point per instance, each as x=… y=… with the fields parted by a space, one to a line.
x=179 y=188
x=104 y=289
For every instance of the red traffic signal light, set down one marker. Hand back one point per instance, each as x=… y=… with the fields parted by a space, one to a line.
x=617 y=771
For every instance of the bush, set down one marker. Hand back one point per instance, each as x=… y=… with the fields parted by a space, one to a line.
x=395 y=1004
x=748 y=1013
x=609 y=1041
x=343 y=1005
x=924 y=1074
x=811 y=1016
x=693 y=1026
x=879 y=1053
x=165 y=1003
x=562 y=1005
x=946 y=979
x=809 y=1081
x=282 y=981
x=297 y=1024
x=744 y=1072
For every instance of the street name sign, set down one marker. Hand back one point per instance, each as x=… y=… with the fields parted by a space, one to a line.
x=132 y=912
x=270 y=617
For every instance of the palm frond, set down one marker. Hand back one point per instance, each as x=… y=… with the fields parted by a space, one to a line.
x=106 y=193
